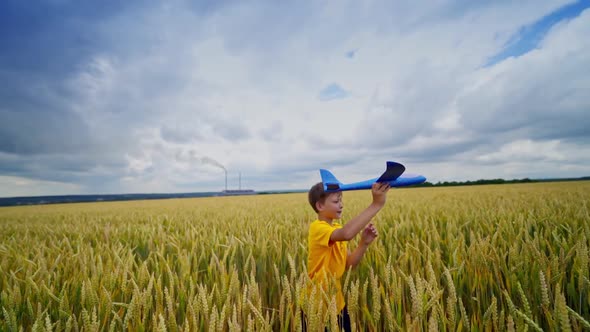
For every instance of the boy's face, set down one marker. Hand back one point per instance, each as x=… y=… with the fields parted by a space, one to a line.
x=332 y=206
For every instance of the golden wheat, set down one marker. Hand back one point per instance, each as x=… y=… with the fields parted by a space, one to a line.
x=504 y=258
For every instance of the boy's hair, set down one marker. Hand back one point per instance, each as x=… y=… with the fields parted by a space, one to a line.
x=317 y=194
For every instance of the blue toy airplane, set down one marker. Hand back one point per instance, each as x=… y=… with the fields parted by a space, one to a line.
x=393 y=175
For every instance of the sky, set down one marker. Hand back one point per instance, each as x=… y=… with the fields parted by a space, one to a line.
x=165 y=96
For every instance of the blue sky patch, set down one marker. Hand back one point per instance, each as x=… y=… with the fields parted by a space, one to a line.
x=350 y=54
x=528 y=37
x=333 y=91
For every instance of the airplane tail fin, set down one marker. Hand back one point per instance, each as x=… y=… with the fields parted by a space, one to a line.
x=330 y=181
x=393 y=171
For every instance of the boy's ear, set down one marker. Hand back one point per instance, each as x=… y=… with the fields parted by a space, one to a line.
x=319 y=206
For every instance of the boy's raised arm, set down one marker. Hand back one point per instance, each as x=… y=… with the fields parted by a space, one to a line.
x=358 y=223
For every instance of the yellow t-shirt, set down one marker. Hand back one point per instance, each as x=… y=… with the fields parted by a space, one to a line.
x=325 y=256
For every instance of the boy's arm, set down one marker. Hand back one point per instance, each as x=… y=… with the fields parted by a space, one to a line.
x=355 y=257
x=356 y=224
x=369 y=235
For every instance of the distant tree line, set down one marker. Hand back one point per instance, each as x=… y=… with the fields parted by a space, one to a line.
x=494 y=181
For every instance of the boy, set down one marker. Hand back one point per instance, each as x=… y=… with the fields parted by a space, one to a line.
x=327 y=242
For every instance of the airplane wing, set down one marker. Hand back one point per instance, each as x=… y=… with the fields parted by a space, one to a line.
x=393 y=171
x=392 y=175
x=331 y=184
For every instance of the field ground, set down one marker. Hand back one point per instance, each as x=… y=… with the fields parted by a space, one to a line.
x=480 y=258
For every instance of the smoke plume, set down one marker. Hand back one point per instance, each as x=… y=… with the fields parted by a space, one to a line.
x=192 y=156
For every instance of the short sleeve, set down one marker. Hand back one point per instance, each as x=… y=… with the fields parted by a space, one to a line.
x=320 y=232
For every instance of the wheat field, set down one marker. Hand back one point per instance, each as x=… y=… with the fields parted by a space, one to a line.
x=479 y=258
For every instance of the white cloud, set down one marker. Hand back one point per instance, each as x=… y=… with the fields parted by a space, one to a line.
x=14 y=186
x=526 y=150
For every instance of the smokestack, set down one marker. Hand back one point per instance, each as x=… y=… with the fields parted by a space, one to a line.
x=240 y=181
x=225 y=178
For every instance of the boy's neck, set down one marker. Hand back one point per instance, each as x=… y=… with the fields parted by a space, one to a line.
x=326 y=219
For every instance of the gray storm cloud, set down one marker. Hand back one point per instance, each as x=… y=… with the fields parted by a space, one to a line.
x=128 y=101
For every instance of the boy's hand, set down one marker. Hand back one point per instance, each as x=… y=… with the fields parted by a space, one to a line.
x=379 y=191
x=369 y=234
